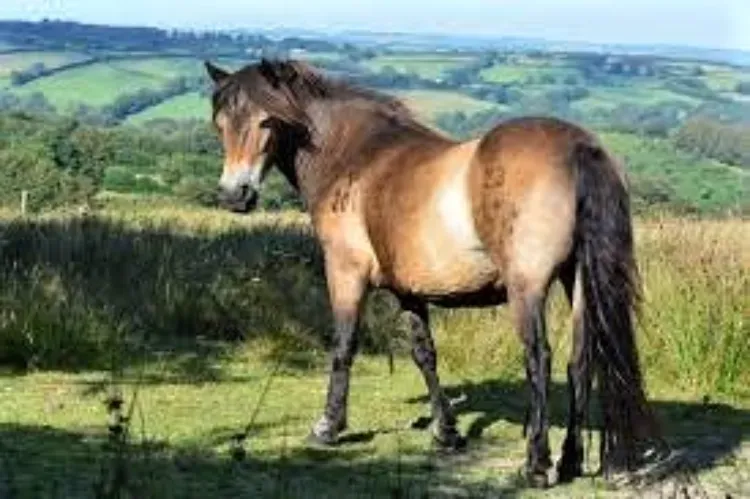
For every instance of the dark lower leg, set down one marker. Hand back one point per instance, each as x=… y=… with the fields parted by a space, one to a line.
x=579 y=389
x=425 y=357
x=333 y=420
x=579 y=385
x=538 y=358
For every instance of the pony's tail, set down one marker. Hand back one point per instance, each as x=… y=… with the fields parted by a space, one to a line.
x=611 y=292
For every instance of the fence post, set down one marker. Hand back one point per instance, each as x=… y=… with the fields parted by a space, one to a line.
x=24 y=201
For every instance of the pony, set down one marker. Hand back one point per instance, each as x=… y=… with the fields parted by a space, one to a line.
x=490 y=221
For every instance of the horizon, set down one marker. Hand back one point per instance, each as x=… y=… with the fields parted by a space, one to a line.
x=702 y=25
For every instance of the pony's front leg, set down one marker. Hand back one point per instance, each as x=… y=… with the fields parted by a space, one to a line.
x=346 y=286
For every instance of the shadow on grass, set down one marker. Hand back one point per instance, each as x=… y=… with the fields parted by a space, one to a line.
x=706 y=434
x=40 y=461
x=93 y=293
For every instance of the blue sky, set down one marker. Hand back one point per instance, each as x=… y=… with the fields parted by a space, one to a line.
x=705 y=23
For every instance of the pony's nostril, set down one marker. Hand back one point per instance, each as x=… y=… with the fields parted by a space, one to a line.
x=244 y=190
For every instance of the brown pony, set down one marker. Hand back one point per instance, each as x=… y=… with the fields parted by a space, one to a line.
x=494 y=220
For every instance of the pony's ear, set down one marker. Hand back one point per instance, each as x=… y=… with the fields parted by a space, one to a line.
x=268 y=71
x=279 y=72
x=217 y=74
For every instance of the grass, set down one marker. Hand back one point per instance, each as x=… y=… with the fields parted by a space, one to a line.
x=160 y=67
x=635 y=95
x=191 y=105
x=100 y=84
x=22 y=60
x=431 y=103
x=426 y=66
x=193 y=308
x=518 y=73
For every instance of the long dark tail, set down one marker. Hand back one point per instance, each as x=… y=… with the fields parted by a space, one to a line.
x=611 y=292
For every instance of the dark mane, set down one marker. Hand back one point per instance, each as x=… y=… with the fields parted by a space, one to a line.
x=284 y=89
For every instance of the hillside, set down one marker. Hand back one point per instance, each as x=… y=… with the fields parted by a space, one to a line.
x=154 y=345
x=146 y=79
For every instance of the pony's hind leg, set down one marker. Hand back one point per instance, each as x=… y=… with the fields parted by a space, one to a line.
x=425 y=357
x=579 y=381
x=528 y=311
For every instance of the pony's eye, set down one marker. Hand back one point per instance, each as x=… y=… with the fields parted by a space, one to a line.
x=266 y=123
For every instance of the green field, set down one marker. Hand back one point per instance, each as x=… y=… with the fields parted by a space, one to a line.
x=430 y=103
x=723 y=78
x=194 y=310
x=643 y=95
x=22 y=60
x=187 y=106
x=160 y=67
x=99 y=84
x=426 y=66
x=519 y=73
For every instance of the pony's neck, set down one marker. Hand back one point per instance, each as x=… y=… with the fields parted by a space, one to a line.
x=348 y=136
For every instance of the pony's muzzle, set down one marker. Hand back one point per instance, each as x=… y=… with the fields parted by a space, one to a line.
x=238 y=192
x=241 y=199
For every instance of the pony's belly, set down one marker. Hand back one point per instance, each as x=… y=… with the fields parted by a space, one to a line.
x=449 y=271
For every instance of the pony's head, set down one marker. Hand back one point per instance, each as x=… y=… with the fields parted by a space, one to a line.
x=254 y=109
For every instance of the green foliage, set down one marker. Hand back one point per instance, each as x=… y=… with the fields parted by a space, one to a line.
x=48 y=187
x=729 y=143
x=153 y=160
x=34 y=103
x=671 y=178
x=196 y=190
x=120 y=179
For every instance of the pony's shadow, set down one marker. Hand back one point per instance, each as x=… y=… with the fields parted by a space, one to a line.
x=703 y=433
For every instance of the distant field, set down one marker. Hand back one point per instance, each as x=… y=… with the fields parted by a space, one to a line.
x=426 y=66
x=98 y=84
x=160 y=67
x=723 y=79
x=22 y=60
x=610 y=97
x=715 y=76
x=519 y=73
x=186 y=106
x=430 y=103
x=316 y=56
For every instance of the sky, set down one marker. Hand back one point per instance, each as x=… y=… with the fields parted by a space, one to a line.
x=701 y=23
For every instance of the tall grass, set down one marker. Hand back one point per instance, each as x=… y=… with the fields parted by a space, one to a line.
x=182 y=287
x=694 y=321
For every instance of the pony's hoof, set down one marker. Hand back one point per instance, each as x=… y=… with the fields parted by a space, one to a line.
x=537 y=479
x=322 y=440
x=342 y=426
x=325 y=433
x=568 y=471
x=450 y=442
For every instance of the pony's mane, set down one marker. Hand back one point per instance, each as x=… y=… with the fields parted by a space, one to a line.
x=285 y=88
